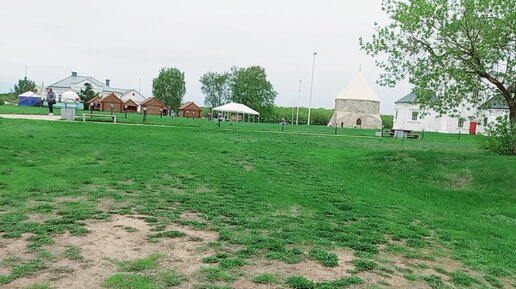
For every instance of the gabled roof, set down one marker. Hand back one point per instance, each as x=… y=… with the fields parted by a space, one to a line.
x=95 y=99
x=190 y=103
x=115 y=90
x=111 y=98
x=412 y=98
x=497 y=102
x=130 y=102
x=358 y=89
x=236 y=107
x=71 y=80
x=153 y=101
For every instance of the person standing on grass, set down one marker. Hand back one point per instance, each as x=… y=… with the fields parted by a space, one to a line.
x=51 y=100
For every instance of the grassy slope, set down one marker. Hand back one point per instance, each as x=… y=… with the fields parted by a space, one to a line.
x=269 y=190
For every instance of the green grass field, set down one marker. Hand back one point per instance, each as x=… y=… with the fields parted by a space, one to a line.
x=436 y=212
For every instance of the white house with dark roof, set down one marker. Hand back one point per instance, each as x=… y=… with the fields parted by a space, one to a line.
x=76 y=82
x=408 y=115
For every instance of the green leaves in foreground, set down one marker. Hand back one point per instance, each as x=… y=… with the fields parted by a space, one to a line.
x=299 y=282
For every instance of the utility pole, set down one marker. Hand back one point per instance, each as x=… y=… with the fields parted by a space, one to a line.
x=311 y=89
x=298 y=99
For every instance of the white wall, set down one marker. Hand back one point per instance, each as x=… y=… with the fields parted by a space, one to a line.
x=134 y=95
x=429 y=120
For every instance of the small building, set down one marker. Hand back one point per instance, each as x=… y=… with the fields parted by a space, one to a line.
x=77 y=82
x=133 y=95
x=130 y=106
x=409 y=115
x=95 y=102
x=111 y=103
x=357 y=106
x=190 y=109
x=154 y=106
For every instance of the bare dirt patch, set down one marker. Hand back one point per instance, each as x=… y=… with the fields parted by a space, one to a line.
x=15 y=248
x=66 y=199
x=192 y=216
x=309 y=269
x=127 y=182
x=110 y=241
x=109 y=204
x=248 y=167
x=39 y=218
x=202 y=189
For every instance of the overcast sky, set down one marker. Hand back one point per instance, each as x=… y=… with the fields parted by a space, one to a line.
x=129 y=41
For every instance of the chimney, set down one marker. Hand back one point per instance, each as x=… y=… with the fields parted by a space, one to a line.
x=107 y=82
x=74 y=73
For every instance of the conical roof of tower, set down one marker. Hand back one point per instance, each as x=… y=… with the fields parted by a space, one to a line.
x=358 y=89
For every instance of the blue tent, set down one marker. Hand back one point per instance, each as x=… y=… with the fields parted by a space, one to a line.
x=29 y=98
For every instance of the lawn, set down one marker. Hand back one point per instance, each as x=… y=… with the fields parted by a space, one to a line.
x=253 y=204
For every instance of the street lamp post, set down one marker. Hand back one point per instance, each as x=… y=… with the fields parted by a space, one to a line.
x=311 y=89
x=298 y=99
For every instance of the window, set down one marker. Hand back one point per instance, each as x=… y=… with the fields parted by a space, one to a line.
x=359 y=121
x=461 y=122
x=414 y=115
x=396 y=115
x=485 y=121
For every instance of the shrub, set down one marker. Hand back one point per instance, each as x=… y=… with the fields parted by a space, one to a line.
x=299 y=282
x=500 y=137
x=327 y=259
x=461 y=278
x=364 y=265
x=265 y=278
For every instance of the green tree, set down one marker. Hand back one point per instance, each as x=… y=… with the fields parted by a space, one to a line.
x=463 y=50
x=24 y=85
x=251 y=87
x=169 y=87
x=215 y=88
x=87 y=93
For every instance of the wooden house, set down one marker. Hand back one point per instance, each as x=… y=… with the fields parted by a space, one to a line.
x=130 y=106
x=95 y=102
x=190 y=109
x=111 y=101
x=154 y=106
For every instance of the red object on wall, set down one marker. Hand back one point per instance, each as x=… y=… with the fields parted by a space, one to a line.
x=473 y=127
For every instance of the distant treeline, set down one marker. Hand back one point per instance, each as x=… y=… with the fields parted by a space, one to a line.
x=318 y=116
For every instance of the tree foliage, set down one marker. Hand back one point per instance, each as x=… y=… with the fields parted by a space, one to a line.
x=248 y=86
x=251 y=87
x=215 y=87
x=463 y=50
x=499 y=137
x=169 y=87
x=87 y=93
x=24 y=85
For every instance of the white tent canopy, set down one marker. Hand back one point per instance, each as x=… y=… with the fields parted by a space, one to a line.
x=234 y=107
x=70 y=96
x=28 y=94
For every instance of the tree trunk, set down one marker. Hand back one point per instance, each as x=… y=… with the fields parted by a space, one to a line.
x=512 y=119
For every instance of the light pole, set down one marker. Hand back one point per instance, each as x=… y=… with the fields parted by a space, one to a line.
x=298 y=99
x=311 y=89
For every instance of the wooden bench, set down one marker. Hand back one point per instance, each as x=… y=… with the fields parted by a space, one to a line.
x=84 y=115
